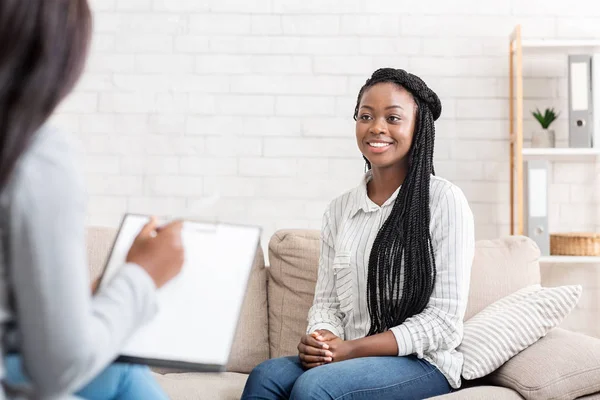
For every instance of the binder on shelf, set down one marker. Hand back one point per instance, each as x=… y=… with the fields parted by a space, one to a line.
x=536 y=203
x=581 y=104
x=596 y=99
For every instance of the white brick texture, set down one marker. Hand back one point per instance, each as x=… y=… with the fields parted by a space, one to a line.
x=252 y=100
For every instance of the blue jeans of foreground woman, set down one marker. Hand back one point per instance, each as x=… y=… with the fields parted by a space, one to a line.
x=116 y=382
x=358 y=379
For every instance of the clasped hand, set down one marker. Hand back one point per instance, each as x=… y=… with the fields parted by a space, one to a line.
x=323 y=347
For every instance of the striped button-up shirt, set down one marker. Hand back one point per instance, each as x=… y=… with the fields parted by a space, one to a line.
x=350 y=225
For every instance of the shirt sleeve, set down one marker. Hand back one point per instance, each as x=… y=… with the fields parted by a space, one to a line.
x=66 y=336
x=440 y=325
x=325 y=312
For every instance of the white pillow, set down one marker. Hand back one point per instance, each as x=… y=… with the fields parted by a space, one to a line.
x=511 y=324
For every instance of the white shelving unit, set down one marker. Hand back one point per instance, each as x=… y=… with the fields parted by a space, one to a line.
x=560 y=154
x=519 y=46
x=569 y=260
x=560 y=45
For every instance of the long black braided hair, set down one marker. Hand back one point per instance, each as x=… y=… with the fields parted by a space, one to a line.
x=405 y=236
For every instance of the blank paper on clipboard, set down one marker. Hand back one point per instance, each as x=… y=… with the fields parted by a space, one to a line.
x=199 y=309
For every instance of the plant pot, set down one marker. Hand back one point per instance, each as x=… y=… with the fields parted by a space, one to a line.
x=544 y=138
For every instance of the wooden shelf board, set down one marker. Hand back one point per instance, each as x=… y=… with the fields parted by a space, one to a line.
x=559 y=44
x=569 y=260
x=561 y=154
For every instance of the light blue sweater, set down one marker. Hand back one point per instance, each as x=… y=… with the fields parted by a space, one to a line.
x=66 y=337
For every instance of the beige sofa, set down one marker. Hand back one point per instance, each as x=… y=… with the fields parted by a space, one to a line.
x=279 y=296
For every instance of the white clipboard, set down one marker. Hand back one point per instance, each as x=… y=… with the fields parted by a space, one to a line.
x=199 y=309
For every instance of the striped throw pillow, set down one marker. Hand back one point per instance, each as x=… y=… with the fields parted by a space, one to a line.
x=511 y=324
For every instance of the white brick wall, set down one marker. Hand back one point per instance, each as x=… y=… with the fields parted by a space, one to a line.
x=252 y=100
x=180 y=93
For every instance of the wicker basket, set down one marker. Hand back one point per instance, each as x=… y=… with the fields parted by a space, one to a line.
x=575 y=244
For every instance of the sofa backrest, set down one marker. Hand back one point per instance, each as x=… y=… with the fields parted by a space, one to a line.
x=99 y=242
x=500 y=267
x=293 y=261
x=251 y=342
x=274 y=313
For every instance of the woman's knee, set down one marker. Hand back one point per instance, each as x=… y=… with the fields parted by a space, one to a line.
x=119 y=372
x=265 y=370
x=273 y=376
x=312 y=385
x=123 y=381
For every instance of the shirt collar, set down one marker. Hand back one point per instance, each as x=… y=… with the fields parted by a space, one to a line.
x=362 y=200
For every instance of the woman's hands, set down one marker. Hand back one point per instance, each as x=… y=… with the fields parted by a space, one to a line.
x=313 y=353
x=159 y=251
x=342 y=350
x=323 y=347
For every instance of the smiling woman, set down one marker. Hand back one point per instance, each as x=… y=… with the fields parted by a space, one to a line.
x=394 y=268
x=384 y=131
x=393 y=117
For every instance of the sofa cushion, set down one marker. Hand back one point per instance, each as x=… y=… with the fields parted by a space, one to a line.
x=99 y=241
x=512 y=324
x=251 y=341
x=481 y=393
x=501 y=267
x=201 y=386
x=293 y=258
x=595 y=396
x=561 y=365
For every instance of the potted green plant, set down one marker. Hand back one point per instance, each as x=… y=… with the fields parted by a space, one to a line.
x=545 y=137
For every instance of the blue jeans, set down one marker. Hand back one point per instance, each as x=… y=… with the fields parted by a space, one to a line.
x=357 y=379
x=117 y=381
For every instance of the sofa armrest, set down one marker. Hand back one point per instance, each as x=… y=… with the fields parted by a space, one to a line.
x=563 y=364
x=99 y=241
